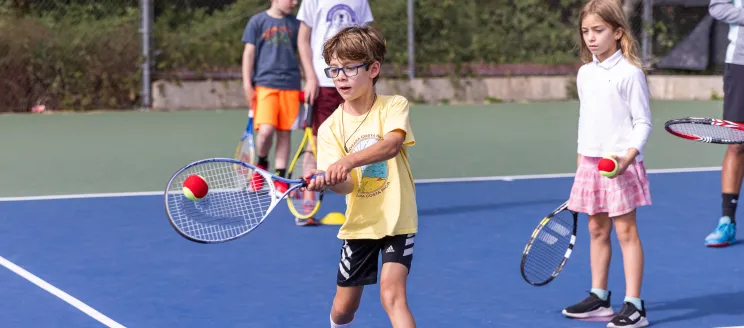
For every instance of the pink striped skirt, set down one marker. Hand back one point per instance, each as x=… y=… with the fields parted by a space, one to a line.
x=593 y=193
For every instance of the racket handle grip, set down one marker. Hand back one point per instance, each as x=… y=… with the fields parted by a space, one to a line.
x=313 y=177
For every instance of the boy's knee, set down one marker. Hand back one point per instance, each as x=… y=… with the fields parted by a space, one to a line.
x=344 y=308
x=283 y=135
x=391 y=294
x=266 y=130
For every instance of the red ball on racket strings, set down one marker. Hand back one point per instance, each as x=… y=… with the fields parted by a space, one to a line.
x=607 y=166
x=196 y=186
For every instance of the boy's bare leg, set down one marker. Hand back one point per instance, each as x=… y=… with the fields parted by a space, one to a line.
x=264 y=139
x=283 y=140
x=345 y=304
x=393 y=295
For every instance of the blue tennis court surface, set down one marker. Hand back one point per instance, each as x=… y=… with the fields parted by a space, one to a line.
x=120 y=256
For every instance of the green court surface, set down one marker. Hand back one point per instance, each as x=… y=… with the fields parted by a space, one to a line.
x=102 y=152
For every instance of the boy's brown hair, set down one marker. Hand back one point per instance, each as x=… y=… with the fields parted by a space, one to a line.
x=357 y=43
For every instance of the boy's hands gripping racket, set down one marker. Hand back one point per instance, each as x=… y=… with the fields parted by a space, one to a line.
x=208 y=201
x=304 y=204
x=709 y=130
x=246 y=150
x=550 y=246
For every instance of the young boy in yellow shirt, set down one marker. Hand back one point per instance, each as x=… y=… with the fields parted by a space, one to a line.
x=363 y=153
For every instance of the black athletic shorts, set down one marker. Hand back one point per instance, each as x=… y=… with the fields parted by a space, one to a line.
x=733 y=93
x=358 y=265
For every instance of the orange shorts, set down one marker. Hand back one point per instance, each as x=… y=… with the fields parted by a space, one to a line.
x=278 y=108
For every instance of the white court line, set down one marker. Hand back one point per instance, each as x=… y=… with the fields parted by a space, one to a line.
x=62 y=295
x=418 y=181
x=555 y=175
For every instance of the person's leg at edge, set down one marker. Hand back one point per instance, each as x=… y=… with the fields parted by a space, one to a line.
x=732 y=171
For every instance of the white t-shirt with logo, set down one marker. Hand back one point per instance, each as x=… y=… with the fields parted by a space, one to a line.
x=326 y=18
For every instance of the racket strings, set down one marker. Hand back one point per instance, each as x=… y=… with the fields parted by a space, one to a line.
x=549 y=248
x=706 y=131
x=229 y=209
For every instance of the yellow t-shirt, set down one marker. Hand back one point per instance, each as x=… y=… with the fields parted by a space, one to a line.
x=383 y=201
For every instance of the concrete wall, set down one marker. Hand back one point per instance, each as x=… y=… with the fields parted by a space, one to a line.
x=229 y=93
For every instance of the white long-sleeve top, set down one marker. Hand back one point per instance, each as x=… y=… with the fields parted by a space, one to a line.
x=614 y=112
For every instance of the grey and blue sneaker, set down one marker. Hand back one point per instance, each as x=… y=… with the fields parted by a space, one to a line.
x=724 y=235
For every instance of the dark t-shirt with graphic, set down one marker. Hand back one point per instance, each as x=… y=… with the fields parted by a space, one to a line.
x=276 y=63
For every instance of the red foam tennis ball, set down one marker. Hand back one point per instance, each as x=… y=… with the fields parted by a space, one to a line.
x=195 y=187
x=607 y=166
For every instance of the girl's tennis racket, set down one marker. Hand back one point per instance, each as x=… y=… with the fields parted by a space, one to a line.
x=550 y=246
x=709 y=130
x=230 y=209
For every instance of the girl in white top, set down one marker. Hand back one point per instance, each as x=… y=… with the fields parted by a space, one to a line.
x=615 y=121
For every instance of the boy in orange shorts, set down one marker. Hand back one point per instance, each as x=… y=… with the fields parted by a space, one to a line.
x=271 y=80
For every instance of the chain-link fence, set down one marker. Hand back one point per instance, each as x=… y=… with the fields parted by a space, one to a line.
x=81 y=55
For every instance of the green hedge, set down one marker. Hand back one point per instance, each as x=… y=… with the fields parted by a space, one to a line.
x=447 y=31
x=87 y=56
x=78 y=60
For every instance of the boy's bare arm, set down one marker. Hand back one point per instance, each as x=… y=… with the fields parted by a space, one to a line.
x=249 y=55
x=338 y=178
x=306 y=60
x=384 y=150
x=345 y=187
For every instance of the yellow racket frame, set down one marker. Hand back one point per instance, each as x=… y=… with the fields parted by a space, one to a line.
x=306 y=138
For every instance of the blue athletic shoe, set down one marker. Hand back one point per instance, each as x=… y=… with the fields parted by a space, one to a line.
x=724 y=235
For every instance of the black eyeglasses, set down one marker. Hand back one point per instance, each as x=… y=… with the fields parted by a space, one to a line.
x=333 y=71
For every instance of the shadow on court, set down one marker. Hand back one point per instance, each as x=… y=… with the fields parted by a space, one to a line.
x=701 y=306
x=448 y=210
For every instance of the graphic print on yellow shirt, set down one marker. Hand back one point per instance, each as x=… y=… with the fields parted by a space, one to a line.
x=383 y=201
x=374 y=177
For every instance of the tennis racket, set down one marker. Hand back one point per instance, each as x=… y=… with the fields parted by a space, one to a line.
x=304 y=204
x=550 y=246
x=246 y=150
x=230 y=209
x=708 y=130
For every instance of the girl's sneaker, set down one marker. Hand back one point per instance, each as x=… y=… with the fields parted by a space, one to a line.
x=590 y=307
x=630 y=317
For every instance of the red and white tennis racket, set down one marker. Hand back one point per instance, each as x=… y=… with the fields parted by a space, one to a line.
x=708 y=130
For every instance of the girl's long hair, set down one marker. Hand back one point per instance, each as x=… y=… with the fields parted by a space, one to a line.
x=611 y=13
